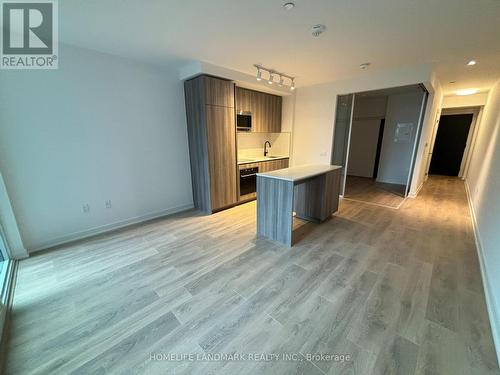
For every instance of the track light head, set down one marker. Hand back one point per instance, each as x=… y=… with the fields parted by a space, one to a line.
x=271 y=78
x=259 y=72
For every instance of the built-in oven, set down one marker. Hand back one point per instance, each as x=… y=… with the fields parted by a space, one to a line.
x=244 y=121
x=248 y=180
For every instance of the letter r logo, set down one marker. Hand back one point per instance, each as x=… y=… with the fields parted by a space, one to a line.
x=27 y=28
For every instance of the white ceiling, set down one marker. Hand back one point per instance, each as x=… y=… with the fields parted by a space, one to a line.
x=236 y=34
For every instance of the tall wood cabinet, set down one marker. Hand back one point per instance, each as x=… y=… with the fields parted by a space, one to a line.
x=212 y=141
x=265 y=108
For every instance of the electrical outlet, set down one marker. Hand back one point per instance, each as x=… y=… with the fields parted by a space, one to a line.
x=322 y=153
x=108 y=203
x=86 y=208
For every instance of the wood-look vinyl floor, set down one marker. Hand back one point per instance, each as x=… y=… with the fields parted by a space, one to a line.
x=367 y=190
x=398 y=290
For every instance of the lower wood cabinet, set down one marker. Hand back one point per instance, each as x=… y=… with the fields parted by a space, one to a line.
x=272 y=165
x=264 y=166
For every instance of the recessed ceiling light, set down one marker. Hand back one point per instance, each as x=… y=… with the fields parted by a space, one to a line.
x=288 y=6
x=466 y=92
x=472 y=62
x=452 y=82
x=364 y=65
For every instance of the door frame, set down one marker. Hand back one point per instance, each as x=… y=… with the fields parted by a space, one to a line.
x=471 y=137
x=12 y=236
x=342 y=192
x=418 y=133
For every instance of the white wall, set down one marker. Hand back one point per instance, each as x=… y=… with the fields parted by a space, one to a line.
x=98 y=128
x=287 y=113
x=483 y=182
x=315 y=108
x=288 y=120
x=396 y=157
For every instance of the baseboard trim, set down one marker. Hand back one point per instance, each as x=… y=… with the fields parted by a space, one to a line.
x=490 y=299
x=414 y=194
x=109 y=227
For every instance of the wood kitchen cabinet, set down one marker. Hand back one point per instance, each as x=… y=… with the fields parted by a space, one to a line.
x=272 y=165
x=264 y=166
x=221 y=135
x=218 y=91
x=212 y=141
x=265 y=109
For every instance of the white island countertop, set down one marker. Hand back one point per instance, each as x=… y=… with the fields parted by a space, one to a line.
x=300 y=172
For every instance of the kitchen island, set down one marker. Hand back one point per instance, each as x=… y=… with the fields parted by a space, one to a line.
x=311 y=191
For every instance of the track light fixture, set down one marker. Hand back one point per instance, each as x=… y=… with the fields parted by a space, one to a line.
x=273 y=73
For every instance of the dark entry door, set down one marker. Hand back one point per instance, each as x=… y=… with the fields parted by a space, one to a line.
x=451 y=139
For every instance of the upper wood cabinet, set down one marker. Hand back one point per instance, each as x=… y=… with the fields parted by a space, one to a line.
x=265 y=109
x=218 y=91
x=212 y=142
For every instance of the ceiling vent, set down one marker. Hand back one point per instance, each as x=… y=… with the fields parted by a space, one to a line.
x=317 y=30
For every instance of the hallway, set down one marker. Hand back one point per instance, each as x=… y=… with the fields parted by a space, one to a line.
x=400 y=291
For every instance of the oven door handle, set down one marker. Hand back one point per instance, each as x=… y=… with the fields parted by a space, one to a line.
x=248 y=175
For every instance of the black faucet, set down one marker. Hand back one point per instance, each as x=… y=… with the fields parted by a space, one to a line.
x=265 y=147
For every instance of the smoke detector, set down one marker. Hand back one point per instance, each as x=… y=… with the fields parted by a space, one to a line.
x=288 y=6
x=317 y=30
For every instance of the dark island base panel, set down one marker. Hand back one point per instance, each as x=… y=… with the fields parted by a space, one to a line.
x=312 y=193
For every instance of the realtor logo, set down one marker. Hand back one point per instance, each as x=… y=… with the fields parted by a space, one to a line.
x=29 y=35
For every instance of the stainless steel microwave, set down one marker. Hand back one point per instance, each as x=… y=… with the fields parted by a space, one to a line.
x=243 y=121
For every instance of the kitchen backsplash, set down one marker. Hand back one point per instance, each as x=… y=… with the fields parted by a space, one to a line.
x=251 y=145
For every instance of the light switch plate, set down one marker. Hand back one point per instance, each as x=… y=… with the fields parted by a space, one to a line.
x=403 y=132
